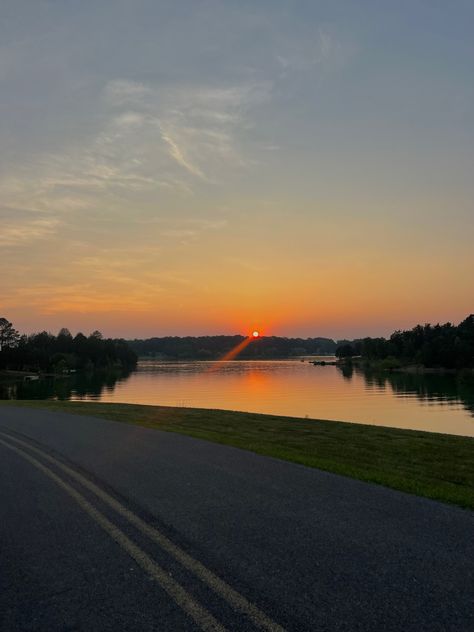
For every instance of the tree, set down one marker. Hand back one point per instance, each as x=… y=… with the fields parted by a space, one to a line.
x=346 y=351
x=64 y=341
x=9 y=337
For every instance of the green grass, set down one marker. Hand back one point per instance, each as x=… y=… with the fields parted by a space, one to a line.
x=428 y=464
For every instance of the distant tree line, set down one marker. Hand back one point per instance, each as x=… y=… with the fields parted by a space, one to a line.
x=445 y=346
x=448 y=346
x=214 y=347
x=45 y=352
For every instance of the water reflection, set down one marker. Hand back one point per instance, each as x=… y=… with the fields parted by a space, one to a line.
x=437 y=403
x=426 y=387
x=90 y=385
x=347 y=371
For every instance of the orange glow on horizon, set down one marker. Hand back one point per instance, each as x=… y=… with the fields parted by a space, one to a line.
x=371 y=302
x=233 y=353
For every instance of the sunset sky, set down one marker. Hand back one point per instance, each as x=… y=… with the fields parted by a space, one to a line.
x=203 y=167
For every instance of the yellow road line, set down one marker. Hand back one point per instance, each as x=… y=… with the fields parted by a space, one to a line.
x=233 y=598
x=200 y=615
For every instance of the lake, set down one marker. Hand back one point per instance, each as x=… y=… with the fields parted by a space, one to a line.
x=432 y=402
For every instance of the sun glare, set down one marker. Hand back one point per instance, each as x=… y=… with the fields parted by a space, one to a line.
x=255 y=334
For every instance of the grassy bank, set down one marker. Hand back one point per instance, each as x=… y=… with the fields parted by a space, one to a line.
x=427 y=464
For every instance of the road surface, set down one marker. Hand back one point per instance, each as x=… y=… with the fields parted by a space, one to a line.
x=109 y=526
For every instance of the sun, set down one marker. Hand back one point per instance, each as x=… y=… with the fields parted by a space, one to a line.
x=255 y=334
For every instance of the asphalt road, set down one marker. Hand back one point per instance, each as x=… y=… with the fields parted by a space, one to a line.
x=108 y=526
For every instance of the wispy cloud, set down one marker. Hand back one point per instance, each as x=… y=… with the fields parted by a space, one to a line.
x=323 y=50
x=18 y=226
x=124 y=92
x=153 y=140
x=199 y=125
x=177 y=153
x=247 y=265
x=98 y=280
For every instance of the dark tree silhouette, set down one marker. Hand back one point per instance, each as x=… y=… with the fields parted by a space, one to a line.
x=9 y=337
x=62 y=353
x=443 y=346
x=345 y=351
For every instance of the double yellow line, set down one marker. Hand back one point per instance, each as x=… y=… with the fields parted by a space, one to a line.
x=202 y=617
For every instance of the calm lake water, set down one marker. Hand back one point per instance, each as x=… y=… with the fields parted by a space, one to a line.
x=438 y=403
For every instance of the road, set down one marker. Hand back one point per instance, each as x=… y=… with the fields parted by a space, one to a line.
x=109 y=526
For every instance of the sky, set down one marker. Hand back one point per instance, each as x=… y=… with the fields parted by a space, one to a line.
x=188 y=167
